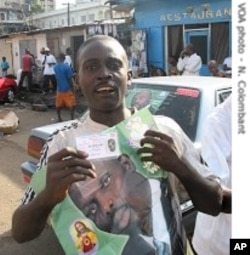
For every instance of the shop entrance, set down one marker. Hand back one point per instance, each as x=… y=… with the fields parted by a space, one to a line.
x=200 y=39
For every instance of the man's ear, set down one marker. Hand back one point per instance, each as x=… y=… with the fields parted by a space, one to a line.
x=127 y=163
x=130 y=76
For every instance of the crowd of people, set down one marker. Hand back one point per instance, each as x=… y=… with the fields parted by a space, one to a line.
x=111 y=194
x=190 y=63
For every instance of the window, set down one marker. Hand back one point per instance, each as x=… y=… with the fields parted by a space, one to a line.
x=83 y=19
x=91 y=17
x=2 y=15
x=180 y=103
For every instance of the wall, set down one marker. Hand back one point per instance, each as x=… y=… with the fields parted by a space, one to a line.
x=6 y=51
x=17 y=54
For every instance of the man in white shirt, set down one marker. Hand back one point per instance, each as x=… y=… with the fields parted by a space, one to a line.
x=227 y=67
x=49 y=78
x=189 y=63
x=212 y=234
x=68 y=59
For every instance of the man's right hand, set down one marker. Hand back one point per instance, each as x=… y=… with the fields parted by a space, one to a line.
x=64 y=168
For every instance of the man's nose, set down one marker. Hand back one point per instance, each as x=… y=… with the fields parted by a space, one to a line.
x=105 y=73
x=106 y=201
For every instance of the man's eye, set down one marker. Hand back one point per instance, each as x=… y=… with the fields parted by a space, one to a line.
x=105 y=181
x=91 y=67
x=114 y=65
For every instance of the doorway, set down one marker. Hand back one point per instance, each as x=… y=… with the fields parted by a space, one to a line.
x=199 y=38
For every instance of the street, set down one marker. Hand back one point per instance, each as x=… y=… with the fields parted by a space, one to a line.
x=12 y=154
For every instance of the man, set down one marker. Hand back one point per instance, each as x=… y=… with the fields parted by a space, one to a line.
x=4 y=66
x=27 y=63
x=118 y=201
x=227 y=66
x=141 y=99
x=103 y=77
x=68 y=59
x=214 y=69
x=212 y=234
x=49 y=78
x=189 y=63
x=64 y=95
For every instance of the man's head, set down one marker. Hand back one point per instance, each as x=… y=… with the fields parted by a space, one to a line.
x=141 y=99
x=27 y=51
x=189 y=49
x=103 y=73
x=61 y=57
x=213 y=67
x=117 y=199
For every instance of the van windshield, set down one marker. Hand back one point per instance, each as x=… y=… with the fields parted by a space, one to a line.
x=180 y=103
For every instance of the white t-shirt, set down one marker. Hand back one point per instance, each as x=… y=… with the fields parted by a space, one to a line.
x=228 y=63
x=161 y=237
x=190 y=65
x=49 y=64
x=212 y=234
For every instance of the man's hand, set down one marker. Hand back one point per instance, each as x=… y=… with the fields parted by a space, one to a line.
x=160 y=149
x=64 y=168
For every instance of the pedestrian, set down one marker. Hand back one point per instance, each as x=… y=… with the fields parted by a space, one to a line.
x=212 y=234
x=227 y=66
x=64 y=94
x=103 y=77
x=68 y=59
x=49 y=78
x=4 y=66
x=214 y=69
x=189 y=62
x=172 y=66
x=27 y=64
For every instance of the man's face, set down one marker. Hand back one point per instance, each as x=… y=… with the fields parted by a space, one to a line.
x=213 y=68
x=102 y=75
x=141 y=100
x=116 y=199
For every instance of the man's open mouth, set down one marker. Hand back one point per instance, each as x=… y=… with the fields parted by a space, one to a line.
x=105 y=90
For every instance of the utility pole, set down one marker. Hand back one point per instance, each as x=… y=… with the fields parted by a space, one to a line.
x=68 y=12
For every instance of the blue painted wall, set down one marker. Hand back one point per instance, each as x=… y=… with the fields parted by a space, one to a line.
x=155 y=15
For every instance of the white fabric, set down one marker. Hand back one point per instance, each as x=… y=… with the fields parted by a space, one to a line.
x=49 y=69
x=212 y=234
x=228 y=63
x=190 y=65
x=186 y=150
x=68 y=61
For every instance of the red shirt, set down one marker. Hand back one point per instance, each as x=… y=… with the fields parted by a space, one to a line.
x=27 y=63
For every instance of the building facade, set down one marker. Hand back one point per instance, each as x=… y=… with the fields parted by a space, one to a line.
x=169 y=25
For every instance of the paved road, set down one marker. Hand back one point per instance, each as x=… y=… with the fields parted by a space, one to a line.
x=12 y=154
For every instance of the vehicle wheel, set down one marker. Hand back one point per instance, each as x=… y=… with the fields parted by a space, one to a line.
x=10 y=97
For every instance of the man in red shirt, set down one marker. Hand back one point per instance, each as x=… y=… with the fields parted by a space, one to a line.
x=27 y=63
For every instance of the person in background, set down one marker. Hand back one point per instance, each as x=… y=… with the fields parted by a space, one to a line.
x=4 y=66
x=214 y=69
x=49 y=78
x=27 y=64
x=68 y=59
x=64 y=80
x=172 y=66
x=189 y=62
x=212 y=234
x=227 y=66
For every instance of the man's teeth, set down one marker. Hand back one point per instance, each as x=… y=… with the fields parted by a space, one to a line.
x=105 y=89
